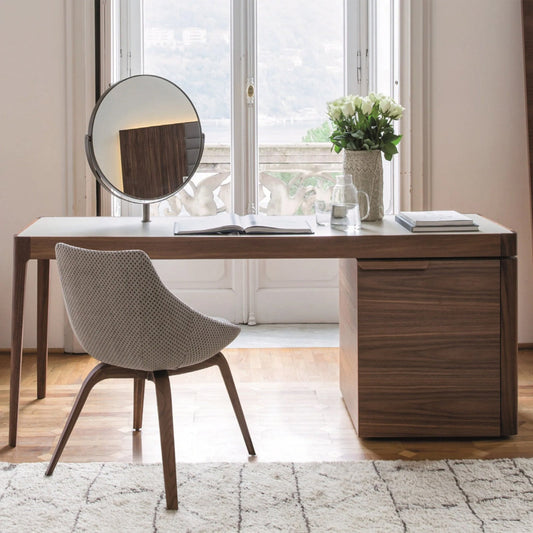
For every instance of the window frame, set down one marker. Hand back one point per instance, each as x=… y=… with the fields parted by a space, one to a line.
x=123 y=57
x=415 y=55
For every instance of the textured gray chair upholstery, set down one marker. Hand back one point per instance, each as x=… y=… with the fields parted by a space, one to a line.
x=125 y=317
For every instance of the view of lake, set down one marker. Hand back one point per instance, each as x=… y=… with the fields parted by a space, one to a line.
x=282 y=132
x=299 y=61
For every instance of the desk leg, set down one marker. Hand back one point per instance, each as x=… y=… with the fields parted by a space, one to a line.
x=43 y=281
x=509 y=347
x=21 y=254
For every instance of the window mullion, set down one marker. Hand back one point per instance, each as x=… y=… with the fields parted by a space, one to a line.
x=244 y=155
x=244 y=150
x=251 y=105
x=131 y=38
x=130 y=64
x=356 y=71
x=395 y=92
x=383 y=76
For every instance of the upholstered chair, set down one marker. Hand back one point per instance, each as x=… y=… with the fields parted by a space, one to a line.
x=125 y=317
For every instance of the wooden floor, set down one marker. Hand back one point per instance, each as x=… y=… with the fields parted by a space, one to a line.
x=290 y=397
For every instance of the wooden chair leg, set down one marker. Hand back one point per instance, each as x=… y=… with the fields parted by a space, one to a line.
x=166 y=431
x=97 y=374
x=138 y=403
x=224 y=368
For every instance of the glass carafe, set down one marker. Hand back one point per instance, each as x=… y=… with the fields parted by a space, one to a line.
x=345 y=210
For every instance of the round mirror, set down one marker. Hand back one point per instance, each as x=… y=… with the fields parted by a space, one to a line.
x=145 y=140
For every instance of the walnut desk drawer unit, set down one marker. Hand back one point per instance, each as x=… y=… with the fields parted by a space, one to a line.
x=427 y=321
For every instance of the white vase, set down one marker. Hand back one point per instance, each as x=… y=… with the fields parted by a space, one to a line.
x=367 y=170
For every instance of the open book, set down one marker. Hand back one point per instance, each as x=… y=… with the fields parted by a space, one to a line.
x=231 y=223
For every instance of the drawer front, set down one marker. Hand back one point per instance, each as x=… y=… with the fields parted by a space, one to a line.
x=429 y=348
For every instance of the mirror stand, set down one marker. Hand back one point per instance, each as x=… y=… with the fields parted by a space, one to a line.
x=146 y=213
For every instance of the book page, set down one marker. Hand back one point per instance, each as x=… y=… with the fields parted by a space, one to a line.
x=230 y=222
x=223 y=222
x=275 y=224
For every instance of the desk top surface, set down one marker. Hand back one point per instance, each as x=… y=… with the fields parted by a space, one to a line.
x=384 y=239
x=164 y=226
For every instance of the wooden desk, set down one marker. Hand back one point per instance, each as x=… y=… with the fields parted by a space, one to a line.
x=388 y=278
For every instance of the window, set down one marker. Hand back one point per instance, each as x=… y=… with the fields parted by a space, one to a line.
x=189 y=43
x=293 y=55
x=292 y=64
x=260 y=73
x=299 y=68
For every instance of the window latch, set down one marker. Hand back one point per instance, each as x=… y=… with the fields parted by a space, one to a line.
x=250 y=91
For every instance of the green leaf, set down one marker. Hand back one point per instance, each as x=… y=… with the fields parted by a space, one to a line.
x=389 y=150
x=397 y=140
x=337 y=138
x=389 y=137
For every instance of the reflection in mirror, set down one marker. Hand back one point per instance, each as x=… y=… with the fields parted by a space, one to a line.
x=155 y=161
x=145 y=140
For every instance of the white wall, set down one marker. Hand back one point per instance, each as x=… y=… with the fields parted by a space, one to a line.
x=32 y=141
x=478 y=159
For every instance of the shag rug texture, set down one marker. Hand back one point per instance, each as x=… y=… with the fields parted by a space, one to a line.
x=377 y=496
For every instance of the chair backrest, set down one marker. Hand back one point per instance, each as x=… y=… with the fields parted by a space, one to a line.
x=123 y=314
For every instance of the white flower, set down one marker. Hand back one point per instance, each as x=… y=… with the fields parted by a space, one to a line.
x=337 y=103
x=355 y=119
x=348 y=109
x=377 y=97
x=385 y=105
x=356 y=100
x=367 y=105
x=334 y=111
x=396 y=111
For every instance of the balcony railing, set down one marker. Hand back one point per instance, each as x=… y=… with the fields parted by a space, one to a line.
x=291 y=178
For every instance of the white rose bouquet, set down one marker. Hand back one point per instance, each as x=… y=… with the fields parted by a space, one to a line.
x=365 y=123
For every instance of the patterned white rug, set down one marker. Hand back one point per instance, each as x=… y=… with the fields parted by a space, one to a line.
x=377 y=496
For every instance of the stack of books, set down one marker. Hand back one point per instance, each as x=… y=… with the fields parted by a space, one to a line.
x=428 y=221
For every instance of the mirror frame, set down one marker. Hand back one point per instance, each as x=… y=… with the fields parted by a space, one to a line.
x=95 y=167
